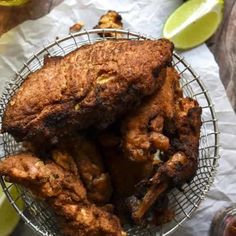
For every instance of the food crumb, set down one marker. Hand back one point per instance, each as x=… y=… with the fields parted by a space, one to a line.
x=111 y=20
x=76 y=27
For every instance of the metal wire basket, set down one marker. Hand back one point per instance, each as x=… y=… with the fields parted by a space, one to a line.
x=185 y=202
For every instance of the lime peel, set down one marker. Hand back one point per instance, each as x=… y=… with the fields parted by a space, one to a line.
x=8 y=216
x=191 y=16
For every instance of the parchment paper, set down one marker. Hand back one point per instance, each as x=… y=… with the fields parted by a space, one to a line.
x=145 y=16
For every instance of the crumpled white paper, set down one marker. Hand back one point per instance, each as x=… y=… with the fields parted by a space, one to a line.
x=147 y=17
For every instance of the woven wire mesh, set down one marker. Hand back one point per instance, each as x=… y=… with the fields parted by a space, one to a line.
x=185 y=201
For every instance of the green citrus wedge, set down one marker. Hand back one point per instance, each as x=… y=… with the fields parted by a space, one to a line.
x=10 y=3
x=193 y=22
x=8 y=215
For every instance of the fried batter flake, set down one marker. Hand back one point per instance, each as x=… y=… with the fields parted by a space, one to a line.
x=111 y=20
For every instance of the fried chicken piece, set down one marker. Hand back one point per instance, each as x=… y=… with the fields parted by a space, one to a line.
x=64 y=192
x=111 y=20
x=79 y=155
x=96 y=179
x=65 y=160
x=125 y=174
x=87 y=157
x=143 y=129
x=132 y=172
x=182 y=164
x=90 y=87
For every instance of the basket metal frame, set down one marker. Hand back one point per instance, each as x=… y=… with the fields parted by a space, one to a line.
x=185 y=202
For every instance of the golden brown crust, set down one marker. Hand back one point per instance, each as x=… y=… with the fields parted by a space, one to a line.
x=64 y=160
x=182 y=160
x=88 y=159
x=143 y=129
x=91 y=86
x=132 y=172
x=64 y=192
x=111 y=20
x=45 y=180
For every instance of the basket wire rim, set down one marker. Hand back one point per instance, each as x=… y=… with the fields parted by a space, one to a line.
x=181 y=59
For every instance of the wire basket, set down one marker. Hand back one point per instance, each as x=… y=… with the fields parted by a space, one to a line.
x=185 y=202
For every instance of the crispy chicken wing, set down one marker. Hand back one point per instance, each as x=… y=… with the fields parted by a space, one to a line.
x=64 y=192
x=143 y=129
x=91 y=86
x=182 y=164
x=79 y=155
x=65 y=160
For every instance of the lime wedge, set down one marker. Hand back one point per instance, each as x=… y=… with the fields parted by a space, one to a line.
x=8 y=215
x=193 y=22
x=10 y=3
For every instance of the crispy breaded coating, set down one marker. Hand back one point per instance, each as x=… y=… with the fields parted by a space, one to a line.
x=125 y=175
x=183 y=158
x=133 y=172
x=111 y=20
x=143 y=129
x=117 y=163
x=64 y=192
x=92 y=86
x=65 y=160
x=88 y=160
x=109 y=132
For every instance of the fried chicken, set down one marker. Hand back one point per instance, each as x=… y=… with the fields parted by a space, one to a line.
x=65 y=160
x=143 y=129
x=84 y=153
x=64 y=192
x=129 y=96
x=183 y=157
x=125 y=174
x=117 y=163
x=111 y=20
x=90 y=87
